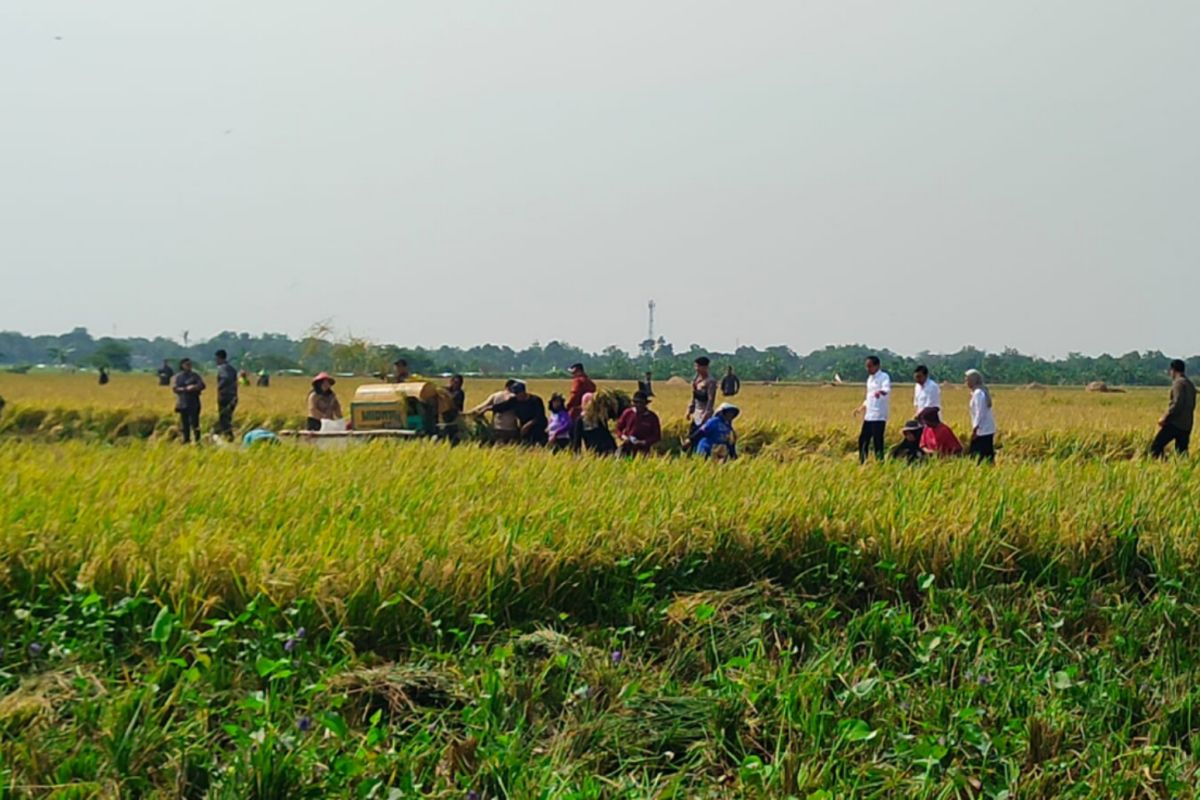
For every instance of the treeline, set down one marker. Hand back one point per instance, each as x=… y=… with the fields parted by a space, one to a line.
x=274 y=352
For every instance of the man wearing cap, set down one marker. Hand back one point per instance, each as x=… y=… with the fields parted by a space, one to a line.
x=638 y=428
x=505 y=427
x=704 y=396
x=187 y=387
x=874 y=410
x=581 y=384
x=322 y=402
x=227 y=394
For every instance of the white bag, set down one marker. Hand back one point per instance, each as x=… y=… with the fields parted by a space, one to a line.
x=333 y=426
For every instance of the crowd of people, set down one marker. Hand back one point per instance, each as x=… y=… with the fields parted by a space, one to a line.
x=580 y=420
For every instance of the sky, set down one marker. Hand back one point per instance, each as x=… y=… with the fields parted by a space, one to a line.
x=912 y=175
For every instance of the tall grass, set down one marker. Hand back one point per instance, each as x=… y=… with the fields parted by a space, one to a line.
x=507 y=532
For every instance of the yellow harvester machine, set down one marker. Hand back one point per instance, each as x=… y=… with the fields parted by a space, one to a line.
x=417 y=408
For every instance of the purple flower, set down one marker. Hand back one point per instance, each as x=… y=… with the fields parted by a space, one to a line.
x=301 y=633
x=290 y=645
x=472 y=795
x=35 y=649
x=617 y=657
x=304 y=723
x=985 y=680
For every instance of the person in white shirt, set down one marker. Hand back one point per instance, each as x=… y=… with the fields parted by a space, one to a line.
x=926 y=392
x=983 y=424
x=874 y=410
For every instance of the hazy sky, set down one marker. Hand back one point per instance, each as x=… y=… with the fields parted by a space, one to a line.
x=916 y=175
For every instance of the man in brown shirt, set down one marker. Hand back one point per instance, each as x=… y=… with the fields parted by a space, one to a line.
x=1176 y=424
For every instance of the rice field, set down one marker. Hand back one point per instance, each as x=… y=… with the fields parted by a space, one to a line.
x=783 y=421
x=412 y=620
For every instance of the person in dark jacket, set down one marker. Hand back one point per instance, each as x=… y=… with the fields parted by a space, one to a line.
x=188 y=386
x=530 y=411
x=1176 y=425
x=227 y=394
x=646 y=385
x=909 y=448
x=731 y=384
x=457 y=396
x=264 y=378
x=103 y=376
x=165 y=373
x=590 y=430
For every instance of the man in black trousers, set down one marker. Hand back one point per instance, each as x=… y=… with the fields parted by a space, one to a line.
x=1176 y=425
x=227 y=395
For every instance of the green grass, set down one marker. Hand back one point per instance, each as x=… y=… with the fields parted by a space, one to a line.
x=525 y=625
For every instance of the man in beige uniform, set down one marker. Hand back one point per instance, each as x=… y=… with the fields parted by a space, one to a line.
x=506 y=428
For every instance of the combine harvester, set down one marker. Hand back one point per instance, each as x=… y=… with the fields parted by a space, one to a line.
x=414 y=410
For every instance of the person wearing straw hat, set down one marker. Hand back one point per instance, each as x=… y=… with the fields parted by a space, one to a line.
x=322 y=402
x=983 y=423
x=638 y=428
x=716 y=438
x=909 y=448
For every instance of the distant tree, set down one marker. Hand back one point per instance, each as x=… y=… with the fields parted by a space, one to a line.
x=111 y=354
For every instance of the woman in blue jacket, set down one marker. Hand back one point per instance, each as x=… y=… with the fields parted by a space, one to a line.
x=716 y=437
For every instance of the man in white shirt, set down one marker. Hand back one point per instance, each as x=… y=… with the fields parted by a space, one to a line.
x=874 y=410
x=926 y=392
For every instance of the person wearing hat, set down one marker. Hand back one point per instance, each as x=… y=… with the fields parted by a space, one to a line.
x=704 y=396
x=638 y=428
x=264 y=378
x=715 y=438
x=322 y=402
x=909 y=448
x=187 y=387
x=581 y=384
